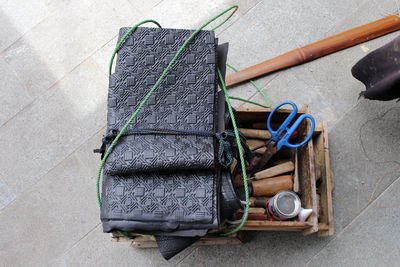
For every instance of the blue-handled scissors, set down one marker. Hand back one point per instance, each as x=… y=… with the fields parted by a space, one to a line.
x=281 y=136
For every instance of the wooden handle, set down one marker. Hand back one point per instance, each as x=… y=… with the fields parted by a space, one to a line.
x=274 y=124
x=270 y=187
x=255 y=133
x=259 y=202
x=252 y=143
x=256 y=217
x=274 y=171
x=318 y=49
x=261 y=125
x=253 y=210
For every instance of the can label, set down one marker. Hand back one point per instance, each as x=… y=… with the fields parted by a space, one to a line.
x=273 y=212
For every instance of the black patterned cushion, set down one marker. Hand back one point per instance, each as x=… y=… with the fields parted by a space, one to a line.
x=163 y=182
x=185 y=100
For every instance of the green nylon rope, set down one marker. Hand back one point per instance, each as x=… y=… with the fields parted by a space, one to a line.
x=125 y=235
x=257 y=87
x=143 y=102
x=248 y=101
x=242 y=164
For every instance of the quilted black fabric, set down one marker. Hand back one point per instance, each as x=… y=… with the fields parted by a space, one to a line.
x=154 y=182
x=174 y=200
x=185 y=100
x=169 y=186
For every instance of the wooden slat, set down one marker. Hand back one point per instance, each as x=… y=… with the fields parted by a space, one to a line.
x=208 y=240
x=119 y=239
x=144 y=242
x=271 y=228
x=278 y=223
x=322 y=159
x=307 y=176
x=318 y=141
x=218 y=241
x=261 y=114
x=314 y=205
x=296 y=182
x=322 y=227
x=318 y=129
x=327 y=157
x=304 y=109
x=276 y=226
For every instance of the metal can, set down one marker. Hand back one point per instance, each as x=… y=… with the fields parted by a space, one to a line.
x=284 y=205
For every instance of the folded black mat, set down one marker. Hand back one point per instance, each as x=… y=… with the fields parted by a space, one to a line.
x=163 y=184
x=158 y=182
x=160 y=201
x=185 y=100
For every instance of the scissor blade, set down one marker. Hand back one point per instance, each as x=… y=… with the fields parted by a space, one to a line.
x=263 y=160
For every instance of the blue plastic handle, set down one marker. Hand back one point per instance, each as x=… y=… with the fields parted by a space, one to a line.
x=284 y=141
x=284 y=125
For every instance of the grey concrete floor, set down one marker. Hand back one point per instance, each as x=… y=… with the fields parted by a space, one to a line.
x=53 y=68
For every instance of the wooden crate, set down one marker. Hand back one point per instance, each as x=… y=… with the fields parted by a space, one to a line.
x=315 y=153
x=311 y=164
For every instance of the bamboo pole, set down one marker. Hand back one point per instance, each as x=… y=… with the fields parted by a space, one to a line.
x=318 y=49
